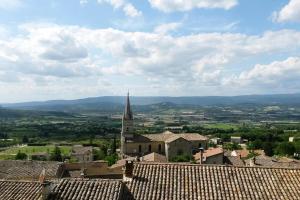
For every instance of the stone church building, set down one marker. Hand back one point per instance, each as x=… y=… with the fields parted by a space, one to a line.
x=166 y=143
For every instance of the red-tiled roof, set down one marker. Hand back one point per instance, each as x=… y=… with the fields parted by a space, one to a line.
x=28 y=170
x=208 y=153
x=169 y=136
x=20 y=190
x=154 y=157
x=87 y=189
x=187 y=181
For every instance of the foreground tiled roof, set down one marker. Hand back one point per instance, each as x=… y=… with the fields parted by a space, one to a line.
x=20 y=190
x=87 y=189
x=187 y=181
x=27 y=170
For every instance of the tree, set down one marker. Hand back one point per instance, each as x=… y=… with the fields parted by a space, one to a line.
x=98 y=154
x=285 y=148
x=56 y=154
x=181 y=158
x=114 y=145
x=92 y=137
x=268 y=148
x=111 y=159
x=21 y=156
x=25 y=139
x=232 y=146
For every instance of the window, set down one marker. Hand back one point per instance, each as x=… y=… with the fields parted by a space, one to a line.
x=149 y=148
x=159 y=148
x=200 y=145
x=140 y=148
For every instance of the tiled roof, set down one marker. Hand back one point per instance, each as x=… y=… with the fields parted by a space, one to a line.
x=175 y=137
x=154 y=157
x=187 y=181
x=266 y=161
x=87 y=189
x=80 y=150
x=20 y=190
x=169 y=136
x=28 y=170
x=209 y=152
x=234 y=160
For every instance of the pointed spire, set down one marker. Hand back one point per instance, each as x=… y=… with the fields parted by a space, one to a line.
x=127 y=112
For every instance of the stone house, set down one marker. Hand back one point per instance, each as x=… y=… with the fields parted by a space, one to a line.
x=166 y=143
x=210 y=156
x=82 y=154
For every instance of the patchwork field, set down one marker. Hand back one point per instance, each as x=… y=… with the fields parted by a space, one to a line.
x=29 y=150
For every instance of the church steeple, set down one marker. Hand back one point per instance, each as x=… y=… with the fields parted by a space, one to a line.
x=127 y=132
x=127 y=119
x=128 y=113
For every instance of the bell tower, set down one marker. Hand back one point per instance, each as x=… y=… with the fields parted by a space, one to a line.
x=127 y=125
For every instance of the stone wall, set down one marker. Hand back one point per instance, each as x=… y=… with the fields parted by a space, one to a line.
x=133 y=148
x=178 y=147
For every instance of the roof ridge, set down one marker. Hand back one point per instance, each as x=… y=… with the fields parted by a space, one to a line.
x=214 y=165
x=19 y=181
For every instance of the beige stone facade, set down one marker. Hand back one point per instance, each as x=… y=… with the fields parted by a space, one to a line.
x=166 y=143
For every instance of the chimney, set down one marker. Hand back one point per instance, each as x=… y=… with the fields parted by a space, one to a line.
x=201 y=150
x=128 y=171
x=252 y=162
x=83 y=173
x=46 y=185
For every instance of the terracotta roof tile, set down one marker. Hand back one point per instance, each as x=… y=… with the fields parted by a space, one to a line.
x=13 y=169
x=154 y=157
x=79 y=150
x=167 y=136
x=187 y=181
x=87 y=189
x=266 y=161
x=20 y=190
x=209 y=152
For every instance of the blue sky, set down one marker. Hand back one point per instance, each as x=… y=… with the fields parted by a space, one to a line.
x=66 y=49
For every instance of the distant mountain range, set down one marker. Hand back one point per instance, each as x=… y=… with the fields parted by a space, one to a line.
x=116 y=103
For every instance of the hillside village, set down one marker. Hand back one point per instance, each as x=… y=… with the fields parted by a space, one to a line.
x=165 y=165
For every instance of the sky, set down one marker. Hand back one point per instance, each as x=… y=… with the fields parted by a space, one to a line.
x=69 y=49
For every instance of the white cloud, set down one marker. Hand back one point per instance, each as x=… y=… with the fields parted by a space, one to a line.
x=289 y=13
x=131 y=11
x=60 y=58
x=128 y=8
x=180 y=5
x=83 y=2
x=281 y=76
x=10 y=4
x=165 y=28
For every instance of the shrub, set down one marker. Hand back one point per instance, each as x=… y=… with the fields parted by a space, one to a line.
x=56 y=154
x=21 y=156
x=181 y=158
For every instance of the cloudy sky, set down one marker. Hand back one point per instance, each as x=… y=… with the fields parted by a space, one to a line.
x=67 y=49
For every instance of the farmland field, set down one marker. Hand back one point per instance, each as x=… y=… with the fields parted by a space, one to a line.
x=29 y=150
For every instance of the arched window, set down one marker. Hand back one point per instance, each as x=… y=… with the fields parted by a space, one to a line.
x=159 y=148
x=149 y=148
x=140 y=148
